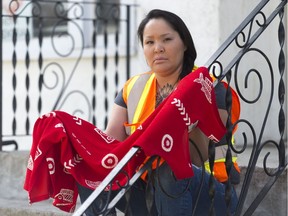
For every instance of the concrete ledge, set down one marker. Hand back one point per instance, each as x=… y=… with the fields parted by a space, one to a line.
x=14 y=201
x=12 y=174
x=275 y=202
x=13 y=198
x=16 y=207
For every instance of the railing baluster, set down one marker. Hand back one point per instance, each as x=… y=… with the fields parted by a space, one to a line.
x=128 y=8
x=281 y=88
x=94 y=77
x=40 y=65
x=105 y=63
x=27 y=79
x=14 y=79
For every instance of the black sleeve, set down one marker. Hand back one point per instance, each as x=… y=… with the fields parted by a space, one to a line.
x=119 y=99
x=220 y=93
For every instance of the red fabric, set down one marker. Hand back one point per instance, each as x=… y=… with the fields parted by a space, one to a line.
x=67 y=149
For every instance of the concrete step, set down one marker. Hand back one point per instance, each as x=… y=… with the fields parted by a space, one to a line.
x=17 y=207
x=14 y=200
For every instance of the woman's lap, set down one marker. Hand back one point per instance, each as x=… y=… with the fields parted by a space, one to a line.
x=178 y=197
x=172 y=197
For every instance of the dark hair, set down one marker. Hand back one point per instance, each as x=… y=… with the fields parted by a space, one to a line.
x=178 y=25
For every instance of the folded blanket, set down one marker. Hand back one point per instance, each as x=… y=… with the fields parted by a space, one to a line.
x=67 y=149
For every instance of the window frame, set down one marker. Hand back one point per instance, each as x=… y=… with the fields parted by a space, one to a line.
x=66 y=42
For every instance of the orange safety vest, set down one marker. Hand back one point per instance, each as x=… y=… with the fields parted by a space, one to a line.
x=139 y=94
x=219 y=168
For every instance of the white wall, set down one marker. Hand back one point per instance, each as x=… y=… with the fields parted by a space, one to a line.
x=210 y=23
x=201 y=17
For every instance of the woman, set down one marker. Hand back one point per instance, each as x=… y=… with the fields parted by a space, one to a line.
x=170 y=53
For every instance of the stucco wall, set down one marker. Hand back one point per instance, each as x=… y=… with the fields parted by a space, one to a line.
x=201 y=17
x=210 y=23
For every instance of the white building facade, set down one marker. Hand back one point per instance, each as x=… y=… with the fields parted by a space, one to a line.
x=211 y=22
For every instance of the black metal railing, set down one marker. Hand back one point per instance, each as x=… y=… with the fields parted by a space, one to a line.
x=227 y=67
x=93 y=36
x=244 y=38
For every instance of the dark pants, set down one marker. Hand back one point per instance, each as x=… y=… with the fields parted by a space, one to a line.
x=172 y=197
x=179 y=197
x=132 y=204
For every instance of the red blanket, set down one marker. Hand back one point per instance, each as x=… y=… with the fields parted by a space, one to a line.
x=67 y=149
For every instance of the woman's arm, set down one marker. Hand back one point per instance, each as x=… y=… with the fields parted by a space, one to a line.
x=202 y=142
x=198 y=145
x=117 y=118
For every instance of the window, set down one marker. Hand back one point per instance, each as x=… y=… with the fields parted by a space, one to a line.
x=52 y=17
x=65 y=24
x=108 y=16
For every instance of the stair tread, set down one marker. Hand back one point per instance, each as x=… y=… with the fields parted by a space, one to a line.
x=14 y=206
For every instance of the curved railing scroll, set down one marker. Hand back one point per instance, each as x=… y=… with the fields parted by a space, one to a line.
x=64 y=41
x=244 y=39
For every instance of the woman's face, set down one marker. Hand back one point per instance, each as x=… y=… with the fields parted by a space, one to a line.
x=163 y=47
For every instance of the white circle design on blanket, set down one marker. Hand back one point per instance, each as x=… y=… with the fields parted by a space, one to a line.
x=109 y=161
x=51 y=165
x=167 y=142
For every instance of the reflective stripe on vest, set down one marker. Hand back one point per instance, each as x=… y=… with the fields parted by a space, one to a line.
x=219 y=169
x=136 y=93
x=220 y=152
